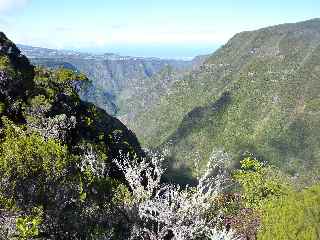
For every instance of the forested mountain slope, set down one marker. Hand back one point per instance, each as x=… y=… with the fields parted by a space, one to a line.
x=257 y=93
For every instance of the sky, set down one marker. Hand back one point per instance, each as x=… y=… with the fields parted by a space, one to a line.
x=159 y=28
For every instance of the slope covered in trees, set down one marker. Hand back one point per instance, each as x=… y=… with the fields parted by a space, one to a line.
x=68 y=170
x=257 y=93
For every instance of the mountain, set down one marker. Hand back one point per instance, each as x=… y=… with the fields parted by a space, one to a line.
x=57 y=153
x=258 y=93
x=111 y=75
x=68 y=170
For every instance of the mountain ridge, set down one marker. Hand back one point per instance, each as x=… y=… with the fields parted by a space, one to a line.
x=270 y=113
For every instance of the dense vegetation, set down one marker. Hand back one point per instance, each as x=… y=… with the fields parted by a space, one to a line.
x=56 y=152
x=68 y=170
x=274 y=206
x=258 y=93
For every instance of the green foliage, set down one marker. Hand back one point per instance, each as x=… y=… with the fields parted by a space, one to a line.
x=66 y=75
x=26 y=154
x=285 y=213
x=2 y=108
x=88 y=121
x=27 y=160
x=58 y=81
x=28 y=226
x=36 y=171
x=122 y=195
x=4 y=62
x=292 y=216
x=260 y=183
x=54 y=153
x=273 y=110
x=39 y=101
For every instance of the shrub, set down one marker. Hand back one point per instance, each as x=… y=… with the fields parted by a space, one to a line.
x=28 y=164
x=25 y=154
x=259 y=182
x=293 y=216
x=164 y=212
x=28 y=226
x=59 y=81
x=73 y=190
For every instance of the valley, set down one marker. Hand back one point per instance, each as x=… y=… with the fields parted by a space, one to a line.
x=113 y=77
x=259 y=93
x=107 y=147
x=254 y=94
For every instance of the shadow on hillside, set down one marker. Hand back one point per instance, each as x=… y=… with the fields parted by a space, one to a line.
x=198 y=118
x=181 y=175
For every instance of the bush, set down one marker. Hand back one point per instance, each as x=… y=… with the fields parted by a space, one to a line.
x=170 y=212
x=295 y=216
x=39 y=173
x=29 y=165
x=259 y=182
x=28 y=226
x=284 y=212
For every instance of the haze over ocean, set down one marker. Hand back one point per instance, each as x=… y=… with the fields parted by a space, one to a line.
x=176 y=29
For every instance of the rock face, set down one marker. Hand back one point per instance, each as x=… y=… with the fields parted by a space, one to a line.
x=271 y=78
x=111 y=75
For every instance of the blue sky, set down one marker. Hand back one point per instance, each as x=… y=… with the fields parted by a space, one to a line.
x=163 y=28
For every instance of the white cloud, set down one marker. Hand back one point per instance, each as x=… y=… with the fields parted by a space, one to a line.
x=8 y=5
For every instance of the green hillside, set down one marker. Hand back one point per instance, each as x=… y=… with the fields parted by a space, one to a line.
x=257 y=93
x=56 y=153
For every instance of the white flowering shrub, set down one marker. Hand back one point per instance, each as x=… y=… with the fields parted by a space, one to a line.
x=92 y=161
x=163 y=211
